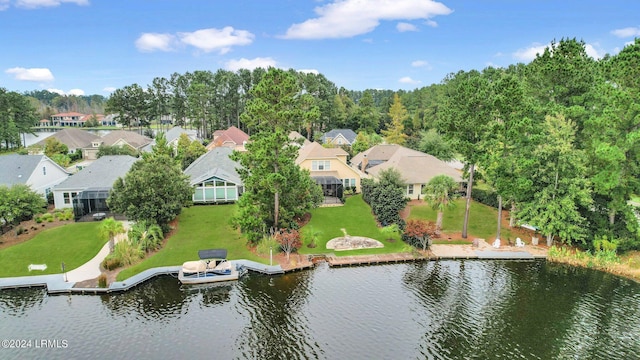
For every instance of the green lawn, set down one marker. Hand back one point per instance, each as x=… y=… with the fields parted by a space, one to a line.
x=482 y=219
x=355 y=216
x=199 y=227
x=73 y=244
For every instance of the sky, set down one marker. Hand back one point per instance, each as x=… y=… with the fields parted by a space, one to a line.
x=86 y=47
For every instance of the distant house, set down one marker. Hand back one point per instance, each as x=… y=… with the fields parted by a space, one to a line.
x=214 y=177
x=116 y=138
x=232 y=138
x=68 y=119
x=297 y=137
x=339 y=137
x=329 y=168
x=416 y=167
x=37 y=171
x=72 y=137
x=173 y=136
x=87 y=190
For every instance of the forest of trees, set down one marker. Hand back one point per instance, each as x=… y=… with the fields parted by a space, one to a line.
x=558 y=138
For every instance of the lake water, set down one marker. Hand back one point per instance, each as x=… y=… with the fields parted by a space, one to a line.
x=428 y=310
x=31 y=139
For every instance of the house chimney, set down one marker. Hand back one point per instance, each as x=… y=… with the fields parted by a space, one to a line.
x=365 y=162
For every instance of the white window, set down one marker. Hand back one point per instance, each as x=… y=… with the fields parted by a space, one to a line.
x=67 y=199
x=410 y=189
x=320 y=165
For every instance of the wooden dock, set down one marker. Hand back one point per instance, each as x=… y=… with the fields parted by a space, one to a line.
x=372 y=259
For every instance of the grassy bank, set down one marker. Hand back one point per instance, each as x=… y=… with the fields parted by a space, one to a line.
x=73 y=244
x=199 y=227
x=356 y=218
x=627 y=265
x=482 y=220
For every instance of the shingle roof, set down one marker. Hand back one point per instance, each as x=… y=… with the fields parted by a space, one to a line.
x=175 y=132
x=214 y=163
x=314 y=150
x=72 y=113
x=132 y=138
x=102 y=173
x=416 y=167
x=16 y=169
x=348 y=134
x=233 y=134
x=72 y=137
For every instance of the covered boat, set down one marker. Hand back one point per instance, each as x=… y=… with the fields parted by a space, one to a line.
x=213 y=266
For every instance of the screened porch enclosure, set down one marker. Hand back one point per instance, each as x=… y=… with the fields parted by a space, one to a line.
x=332 y=188
x=90 y=201
x=215 y=190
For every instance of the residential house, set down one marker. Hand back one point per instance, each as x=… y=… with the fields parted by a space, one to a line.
x=116 y=138
x=416 y=167
x=68 y=119
x=329 y=168
x=214 y=177
x=72 y=137
x=233 y=138
x=173 y=136
x=296 y=137
x=87 y=190
x=37 y=171
x=339 y=137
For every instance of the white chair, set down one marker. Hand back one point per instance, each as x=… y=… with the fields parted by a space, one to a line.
x=496 y=244
x=519 y=242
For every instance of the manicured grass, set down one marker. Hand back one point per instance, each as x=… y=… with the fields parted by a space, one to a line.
x=73 y=244
x=356 y=217
x=199 y=227
x=482 y=219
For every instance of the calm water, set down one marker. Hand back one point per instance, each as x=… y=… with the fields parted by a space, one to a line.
x=432 y=310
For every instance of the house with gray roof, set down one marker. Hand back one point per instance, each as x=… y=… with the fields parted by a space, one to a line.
x=90 y=186
x=339 y=137
x=74 y=138
x=173 y=136
x=116 y=138
x=416 y=167
x=37 y=171
x=214 y=177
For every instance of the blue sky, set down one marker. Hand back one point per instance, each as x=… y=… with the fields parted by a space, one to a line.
x=95 y=46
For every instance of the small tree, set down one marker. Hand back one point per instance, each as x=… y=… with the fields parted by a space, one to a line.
x=289 y=241
x=420 y=232
x=440 y=191
x=146 y=237
x=109 y=228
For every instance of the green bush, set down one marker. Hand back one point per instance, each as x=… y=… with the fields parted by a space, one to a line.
x=487 y=197
x=266 y=244
x=102 y=280
x=110 y=263
x=38 y=219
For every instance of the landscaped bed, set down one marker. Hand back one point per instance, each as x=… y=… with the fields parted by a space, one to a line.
x=73 y=244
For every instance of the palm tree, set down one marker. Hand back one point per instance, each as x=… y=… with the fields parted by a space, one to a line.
x=109 y=229
x=441 y=191
x=146 y=237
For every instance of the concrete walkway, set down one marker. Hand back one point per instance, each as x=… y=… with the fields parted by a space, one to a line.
x=91 y=269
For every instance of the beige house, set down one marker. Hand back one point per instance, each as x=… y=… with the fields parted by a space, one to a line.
x=416 y=167
x=233 y=138
x=329 y=167
x=116 y=138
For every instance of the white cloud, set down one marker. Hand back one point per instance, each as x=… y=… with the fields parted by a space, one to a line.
x=591 y=51
x=57 y=91
x=403 y=26
x=148 y=42
x=627 y=32
x=32 y=74
x=419 y=63
x=348 y=18
x=109 y=89
x=250 y=64
x=220 y=40
x=431 y=23
x=309 y=71
x=4 y=5
x=77 y=92
x=34 y=4
x=408 y=80
x=528 y=54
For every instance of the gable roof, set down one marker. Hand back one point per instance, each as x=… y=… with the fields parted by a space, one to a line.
x=348 y=134
x=416 y=167
x=17 y=169
x=294 y=135
x=72 y=137
x=214 y=163
x=132 y=138
x=232 y=134
x=175 y=132
x=313 y=150
x=69 y=114
x=102 y=173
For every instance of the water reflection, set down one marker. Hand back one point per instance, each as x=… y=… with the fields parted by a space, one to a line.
x=20 y=301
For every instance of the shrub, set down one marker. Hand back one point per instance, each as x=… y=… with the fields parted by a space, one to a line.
x=110 y=263
x=266 y=245
x=310 y=236
x=487 y=197
x=20 y=230
x=102 y=280
x=38 y=219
